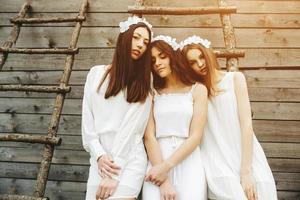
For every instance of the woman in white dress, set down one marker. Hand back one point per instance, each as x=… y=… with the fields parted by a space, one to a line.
x=115 y=110
x=235 y=165
x=174 y=130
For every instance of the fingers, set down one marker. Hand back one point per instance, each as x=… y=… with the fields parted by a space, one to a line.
x=111 y=164
x=111 y=170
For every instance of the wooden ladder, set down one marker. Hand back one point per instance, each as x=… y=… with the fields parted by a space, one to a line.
x=230 y=53
x=51 y=139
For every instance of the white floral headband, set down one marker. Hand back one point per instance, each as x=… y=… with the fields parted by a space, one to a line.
x=124 y=26
x=169 y=40
x=194 y=40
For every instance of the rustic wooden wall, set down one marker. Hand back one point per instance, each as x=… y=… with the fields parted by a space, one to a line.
x=267 y=30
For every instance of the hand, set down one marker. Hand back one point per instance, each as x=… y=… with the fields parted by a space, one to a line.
x=248 y=184
x=168 y=191
x=158 y=174
x=107 y=167
x=106 y=188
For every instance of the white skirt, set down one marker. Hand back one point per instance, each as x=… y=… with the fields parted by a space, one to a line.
x=131 y=179
x=188 y=177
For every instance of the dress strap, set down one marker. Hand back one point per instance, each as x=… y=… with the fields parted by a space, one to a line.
x=193 y=88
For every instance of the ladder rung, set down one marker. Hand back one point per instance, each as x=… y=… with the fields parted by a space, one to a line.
x=40 y=51
x=30 y=139
x=20 y=197
x=232 y=53
x=153 y=10
x=36 y=88
x=21 y=20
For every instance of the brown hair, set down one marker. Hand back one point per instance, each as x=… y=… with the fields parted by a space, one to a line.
x=177 y=63
x=129 y=74
x=212 y=65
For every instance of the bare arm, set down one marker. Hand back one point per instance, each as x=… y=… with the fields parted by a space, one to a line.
x=196 y=128
x=244 y=112
x=151 y=143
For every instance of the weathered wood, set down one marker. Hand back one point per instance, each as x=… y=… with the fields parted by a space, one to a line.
x=121 y=6
x=30 y=139
x=256 y=94
x=86 y=58
x=35 y=88
x=44 y=37
x=261 y=110
x=14 y=34
x=54 y=122
x=20 y=197
x=255 y=78
x=11 y=154
x=54 y=190
x=248 y=20
x=232 y=64
x=47 y=20
x=39 y=51
x=152 y=10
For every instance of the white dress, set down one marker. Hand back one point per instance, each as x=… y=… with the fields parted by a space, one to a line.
x=221 y=150
x=173 y=114
x=115 y=127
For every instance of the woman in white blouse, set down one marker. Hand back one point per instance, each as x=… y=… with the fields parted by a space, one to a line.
x=115 y=110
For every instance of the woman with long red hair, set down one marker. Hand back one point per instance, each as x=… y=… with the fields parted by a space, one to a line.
x=235 y=165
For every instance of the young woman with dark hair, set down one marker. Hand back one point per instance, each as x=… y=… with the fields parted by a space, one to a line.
x=115 y=110
x=235 y=165
x=175 y=127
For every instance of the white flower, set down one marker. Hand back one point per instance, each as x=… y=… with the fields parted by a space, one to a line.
x=124 y=26
x=195 y=40
x=169 y=40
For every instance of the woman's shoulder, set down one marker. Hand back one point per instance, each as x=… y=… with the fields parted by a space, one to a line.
x=96 y=71
x=199 y=90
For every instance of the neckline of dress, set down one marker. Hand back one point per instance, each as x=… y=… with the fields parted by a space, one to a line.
x=176 y=93
x=223 y=78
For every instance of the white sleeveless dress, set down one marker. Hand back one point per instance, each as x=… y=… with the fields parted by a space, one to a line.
x=221 y=150
x=173 y=114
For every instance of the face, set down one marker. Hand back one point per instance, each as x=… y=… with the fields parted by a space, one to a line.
x=197 y=61
x=160 y=63
x=140 y=40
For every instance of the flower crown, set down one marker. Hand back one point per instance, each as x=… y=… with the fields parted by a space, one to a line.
x=124 y=26
x=194 y=40
x=169 y=40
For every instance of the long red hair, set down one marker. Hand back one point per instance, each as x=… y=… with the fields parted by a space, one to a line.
x=212 y=65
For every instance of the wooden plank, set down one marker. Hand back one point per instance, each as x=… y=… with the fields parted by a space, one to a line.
x=284 y=165
x=112 y=19
x=287 y=195
x=261 y=110
x=267 y=6
x=258 y=58
x=54 y=189
x=256 y=94
x=273 y=78
x=13 y=154
x=57 y=172
x=32 y=123
x=274 y=94
x=277 y=131
x=281 y=150
x=69 y=142
x=121 y=6
x=33 y=37
x=35 y=155
x=273 y=110
x=266 y=130
x=255 y=78
x=75 y=173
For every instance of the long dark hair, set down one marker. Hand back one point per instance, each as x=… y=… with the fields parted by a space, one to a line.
x=126 y=73
x=177 y=63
